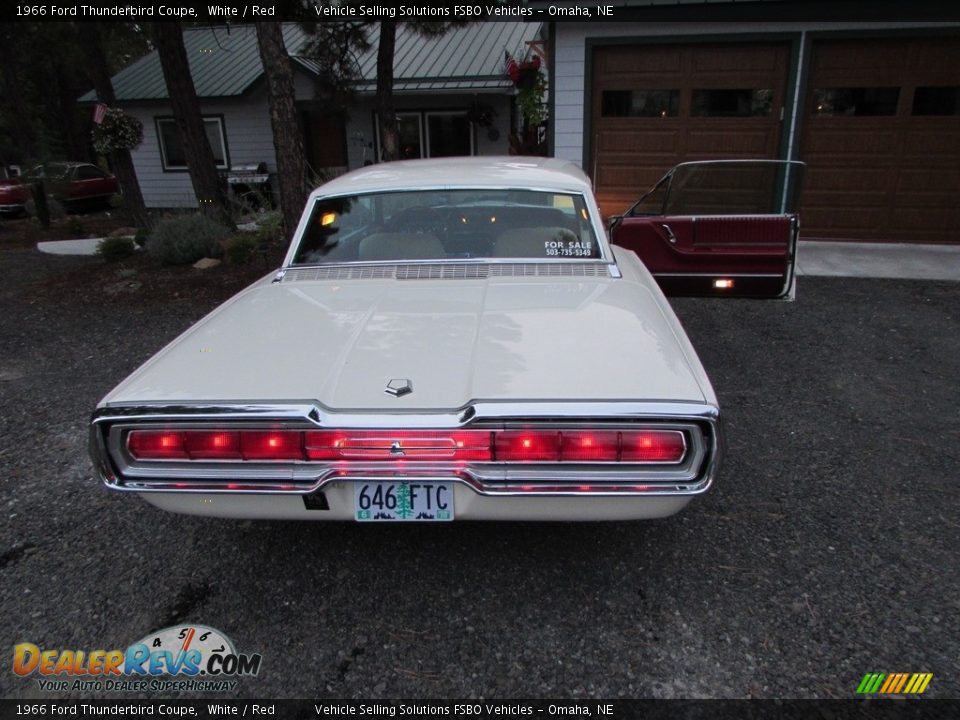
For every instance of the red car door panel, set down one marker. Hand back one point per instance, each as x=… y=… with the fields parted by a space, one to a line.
x=747 y=254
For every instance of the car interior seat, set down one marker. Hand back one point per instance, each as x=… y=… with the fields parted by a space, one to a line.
x=401 y=246
x=531 y=242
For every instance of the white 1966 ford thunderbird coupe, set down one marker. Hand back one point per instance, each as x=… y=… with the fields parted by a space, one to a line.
x=447 y=339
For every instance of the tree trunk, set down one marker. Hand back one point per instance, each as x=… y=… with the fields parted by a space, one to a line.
x=389 y=136
x=287 y=138
x=209 y=187
x=121 y=161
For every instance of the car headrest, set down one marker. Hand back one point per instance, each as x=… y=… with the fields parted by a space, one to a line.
x=401 y=246
x=530 y=242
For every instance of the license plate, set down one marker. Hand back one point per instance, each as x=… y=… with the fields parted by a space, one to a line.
x=403 y=501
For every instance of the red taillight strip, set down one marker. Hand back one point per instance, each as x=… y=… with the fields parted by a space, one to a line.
x=508 y=446
x=430 y=445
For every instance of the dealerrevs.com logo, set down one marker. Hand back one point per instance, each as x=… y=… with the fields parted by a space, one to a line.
x=180 y=658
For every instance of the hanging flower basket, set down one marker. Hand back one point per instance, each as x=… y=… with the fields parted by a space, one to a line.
x=524 y=75
x=527 y=77
x=117 y=131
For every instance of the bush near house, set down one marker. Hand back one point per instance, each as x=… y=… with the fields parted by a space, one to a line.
x=270 y=227
x=113 y=249
x=185 y=239
x=240 y=248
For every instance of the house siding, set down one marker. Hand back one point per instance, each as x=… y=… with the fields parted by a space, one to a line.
x=248 y=136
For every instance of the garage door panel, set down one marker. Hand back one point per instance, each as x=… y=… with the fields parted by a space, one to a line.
x=748 y=65
x=659 y=142
x=846 y=180
x=843 y=61
x=852 y=219
x=926 y=223
x=933 y=145
x=922 y=181
x=720 y=143
x=908 y=163
x=846 y=201
x=614 y=62
x=629 y=176
x=840 y=142
x=936 y=59
x=625 y=136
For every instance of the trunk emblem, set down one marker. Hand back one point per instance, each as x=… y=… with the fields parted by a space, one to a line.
x=399 y=387
x=396 y=449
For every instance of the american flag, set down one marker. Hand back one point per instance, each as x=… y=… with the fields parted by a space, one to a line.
x=99 y=112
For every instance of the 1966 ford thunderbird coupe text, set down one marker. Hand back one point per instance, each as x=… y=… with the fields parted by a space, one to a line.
x=447 y=339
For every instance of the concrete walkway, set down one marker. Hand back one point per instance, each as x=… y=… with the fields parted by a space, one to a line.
x=878 y=260
x=81 y=246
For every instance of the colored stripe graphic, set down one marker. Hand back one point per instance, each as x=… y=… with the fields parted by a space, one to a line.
x=891 y=679
x=894 y=683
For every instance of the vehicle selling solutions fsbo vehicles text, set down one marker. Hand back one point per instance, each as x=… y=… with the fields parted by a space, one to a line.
x=459 y=11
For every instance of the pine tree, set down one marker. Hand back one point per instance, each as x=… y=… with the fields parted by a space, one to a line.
x=404 y=507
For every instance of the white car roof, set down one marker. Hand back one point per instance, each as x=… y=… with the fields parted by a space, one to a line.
x=487 y=171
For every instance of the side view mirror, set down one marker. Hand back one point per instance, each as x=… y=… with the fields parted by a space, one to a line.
x=612 y=222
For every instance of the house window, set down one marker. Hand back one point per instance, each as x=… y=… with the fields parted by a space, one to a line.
x=856 y=102
x=171 y=149
x=444 y=133
x=640 y=103
x=411 y=137
x=449 y=134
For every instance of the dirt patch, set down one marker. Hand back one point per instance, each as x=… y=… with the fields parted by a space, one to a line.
x=138 y=279
x=27 y=231
x=142 y=279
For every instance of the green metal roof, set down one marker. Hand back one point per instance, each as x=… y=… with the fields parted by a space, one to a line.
x=225 y=62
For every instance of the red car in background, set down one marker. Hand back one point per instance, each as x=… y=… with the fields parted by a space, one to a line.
x=74 y=185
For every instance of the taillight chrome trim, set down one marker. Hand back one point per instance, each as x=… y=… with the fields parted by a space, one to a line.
x=699 y=422
x=123 y=443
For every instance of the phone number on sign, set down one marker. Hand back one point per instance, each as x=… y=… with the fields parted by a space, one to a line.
x=569 y=252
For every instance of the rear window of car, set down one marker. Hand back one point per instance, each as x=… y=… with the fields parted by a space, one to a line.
x=448 y=225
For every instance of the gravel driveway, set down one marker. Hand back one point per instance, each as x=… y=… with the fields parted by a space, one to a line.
x=828 y=548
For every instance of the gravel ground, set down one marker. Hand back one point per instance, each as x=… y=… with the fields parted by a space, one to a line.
x=828 y=548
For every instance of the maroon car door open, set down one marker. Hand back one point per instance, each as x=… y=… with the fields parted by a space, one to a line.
x=726 y=227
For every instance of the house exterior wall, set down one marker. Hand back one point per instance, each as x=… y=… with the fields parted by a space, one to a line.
x=249 y=136
x=249 y=139
x=570 y=60
x=361 y=134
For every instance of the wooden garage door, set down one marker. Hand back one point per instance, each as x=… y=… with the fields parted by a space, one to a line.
x=881 y=140
x=657 y=105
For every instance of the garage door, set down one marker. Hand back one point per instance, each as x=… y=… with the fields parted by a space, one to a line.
x=657 y=105
x=881 y=140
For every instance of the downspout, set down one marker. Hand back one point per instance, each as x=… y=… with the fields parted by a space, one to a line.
x=794 y=114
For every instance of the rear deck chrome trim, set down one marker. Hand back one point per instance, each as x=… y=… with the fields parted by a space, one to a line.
x=447 y=270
